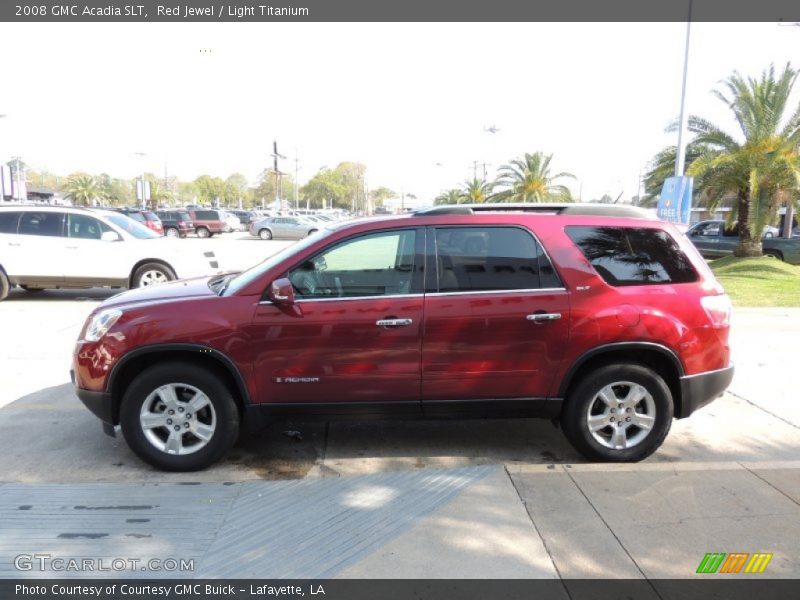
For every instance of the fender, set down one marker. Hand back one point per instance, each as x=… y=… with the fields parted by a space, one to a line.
x=229 y=365
x=614 y=346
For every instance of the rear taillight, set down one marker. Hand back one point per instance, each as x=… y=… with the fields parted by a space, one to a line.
x=718 y=309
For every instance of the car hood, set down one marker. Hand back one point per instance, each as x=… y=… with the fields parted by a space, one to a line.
x=174 y=290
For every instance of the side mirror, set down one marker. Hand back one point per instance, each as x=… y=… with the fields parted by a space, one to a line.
x=282 y=292
x=110 y=236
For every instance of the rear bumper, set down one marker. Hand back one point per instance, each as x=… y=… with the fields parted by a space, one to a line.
x=700 y=389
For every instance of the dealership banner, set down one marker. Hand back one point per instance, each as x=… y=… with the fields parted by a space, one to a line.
x=787 y=11
x=675 y=201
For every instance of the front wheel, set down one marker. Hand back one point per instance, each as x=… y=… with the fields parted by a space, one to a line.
x=265 y=234
x=173 y=232
x=179 y=417
x=618 y=413
x=152 y=274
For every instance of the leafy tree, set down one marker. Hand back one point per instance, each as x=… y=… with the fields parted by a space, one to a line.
x=760 y=163
x=476 y=191
x=452 y=196
x=380 y=195
x=209 y=189
x=528 y=179
x=326 y=188
x=266 y=188
x=83 y=190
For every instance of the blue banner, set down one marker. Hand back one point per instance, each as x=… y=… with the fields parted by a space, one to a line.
x=675 y=202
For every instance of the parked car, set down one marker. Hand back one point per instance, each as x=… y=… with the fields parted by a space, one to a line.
x=61 y=247
x=148 y=218
x=598 y=317
x=714 y=240
x=245 y=218
x=292 y=228
x=207 y=221
x=177 y=223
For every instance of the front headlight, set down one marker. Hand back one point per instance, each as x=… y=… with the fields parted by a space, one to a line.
x=101 y=323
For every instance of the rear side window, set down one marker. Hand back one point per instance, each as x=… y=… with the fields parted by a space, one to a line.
x=206 y=215
x=41 y=223
x=633 y=256
x=136 y=216
x=475 y=259
x=8 y=222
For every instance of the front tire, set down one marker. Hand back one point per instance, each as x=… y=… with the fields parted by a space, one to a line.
x=173 y=232
x=618 y=413
x=5 y=285
x=265 y=234
x=179 y=417
x=152 y=274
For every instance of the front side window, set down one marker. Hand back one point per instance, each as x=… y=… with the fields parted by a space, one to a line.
x=477 y=259
x=85 y=227
x=633 y=256
x=380 y=264
x=41 y=223
x=708 y=230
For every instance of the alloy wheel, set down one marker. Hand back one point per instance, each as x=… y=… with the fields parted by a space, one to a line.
x=178 y=418
x=621 y=415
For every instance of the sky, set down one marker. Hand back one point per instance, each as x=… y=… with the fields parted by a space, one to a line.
x=410 y=101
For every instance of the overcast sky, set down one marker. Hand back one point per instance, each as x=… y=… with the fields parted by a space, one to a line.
x=398 y=97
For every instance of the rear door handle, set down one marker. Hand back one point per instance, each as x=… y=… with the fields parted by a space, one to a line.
x=544 y=317
x=393 y=322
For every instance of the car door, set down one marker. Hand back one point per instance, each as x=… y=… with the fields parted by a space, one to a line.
x=295 y=229
x=496 y=317
x=9 y=244
x=90 y=259
x=39 y=247
x=353 y=337
x=707 y=238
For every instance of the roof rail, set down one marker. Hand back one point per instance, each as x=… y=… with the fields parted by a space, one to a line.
x=570 y=208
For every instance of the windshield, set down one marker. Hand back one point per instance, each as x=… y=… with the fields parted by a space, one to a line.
x=245 y=278
x=132 y=227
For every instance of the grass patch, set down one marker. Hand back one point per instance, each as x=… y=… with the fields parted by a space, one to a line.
x=763 y=281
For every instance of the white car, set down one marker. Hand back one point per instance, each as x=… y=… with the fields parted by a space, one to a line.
x=232 y=221
x=61 y=247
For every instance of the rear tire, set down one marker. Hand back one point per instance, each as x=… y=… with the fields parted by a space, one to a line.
x=202 y=232
x=149 y=427
x=265 y=234
x=630 y=394
x=173 y=232
x=152 y=274
x=5 y=285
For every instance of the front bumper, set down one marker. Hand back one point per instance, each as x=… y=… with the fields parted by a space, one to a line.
x=700 y=389
x=99 y=403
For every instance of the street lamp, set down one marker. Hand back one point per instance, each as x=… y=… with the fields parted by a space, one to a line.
x=680 y=156
x=141 y=156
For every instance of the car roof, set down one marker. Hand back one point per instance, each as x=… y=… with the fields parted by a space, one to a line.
x=71 y=209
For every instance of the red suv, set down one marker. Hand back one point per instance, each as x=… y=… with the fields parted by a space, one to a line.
x=207 y=222
x=599 y=317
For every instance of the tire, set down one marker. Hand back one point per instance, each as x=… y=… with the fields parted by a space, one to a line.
x=158 y=445
x=5 y=285
x=265 y=234
x=152 y=274
x=312 y=231
x=583 y=401
x=172 y=232
x=773 y=254
x=203 y=232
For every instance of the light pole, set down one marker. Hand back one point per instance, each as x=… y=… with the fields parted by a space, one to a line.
x=141 y=156
x=681 y=152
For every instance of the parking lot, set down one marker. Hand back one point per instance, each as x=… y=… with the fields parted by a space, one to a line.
x=446 y=499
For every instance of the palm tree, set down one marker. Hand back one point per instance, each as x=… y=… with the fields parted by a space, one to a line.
x=528 y=179
x=662 y=166
x=158 y=195
x=760 y=164
x=83 y=190
x=452 y=196
x=476 y=191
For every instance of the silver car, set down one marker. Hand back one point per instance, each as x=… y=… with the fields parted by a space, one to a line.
x=291 y=228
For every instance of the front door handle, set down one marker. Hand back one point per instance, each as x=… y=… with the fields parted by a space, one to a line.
x=393 y=322
x=544 y=316
x=15 y=244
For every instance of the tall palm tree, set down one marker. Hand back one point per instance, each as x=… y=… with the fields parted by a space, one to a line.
x=476 y=191
x=760 y=164
x=452 y=196
x=528 y=179
x=83 y=190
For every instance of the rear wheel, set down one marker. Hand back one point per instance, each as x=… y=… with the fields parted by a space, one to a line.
x=265 y=234
x=5 y=285
x=179 y=417
x=618 y=413
x=152 y=274
x=173 y=232
x=202 y=232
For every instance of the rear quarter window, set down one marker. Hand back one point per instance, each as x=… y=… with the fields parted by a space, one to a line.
x=632 y=255
x=8 y=221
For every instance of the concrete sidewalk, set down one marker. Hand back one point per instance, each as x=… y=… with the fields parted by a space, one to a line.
x=525 y=521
